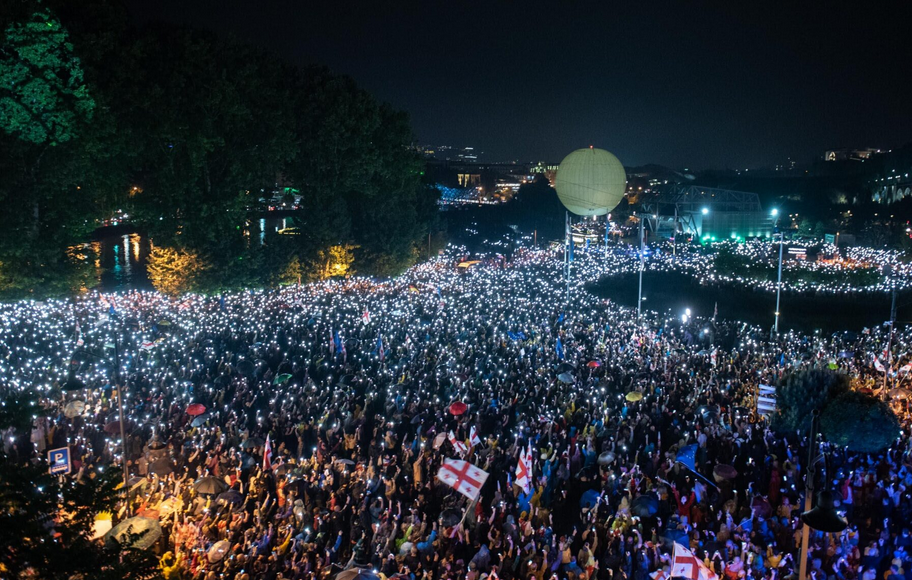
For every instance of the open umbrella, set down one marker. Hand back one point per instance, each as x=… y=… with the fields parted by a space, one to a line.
x=245 y=367
x=218 y=550
x=356 y=574
x=634 y=396
x=138 y=533
x=74 y=409
x=161 y=466
x=210 y=486
x=761 y=506
x=589 y=499
x=594 y=364
x=199 y=421
x=900 y=393
x=458 y=408
x=196 y=409
x=674 y=536
x=606 y=458
x=345 y=461
x=252 y=442
x=231 y=496
x=565 y=378
x=645 y=506
x=450 y=517
x=723 y=472
x=282 y=378
x=565 y=367
x=247 y=461
x=113 y=428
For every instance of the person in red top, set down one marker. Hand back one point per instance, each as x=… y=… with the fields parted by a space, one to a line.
x=684 y=504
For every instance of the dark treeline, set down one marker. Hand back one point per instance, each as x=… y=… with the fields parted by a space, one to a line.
x=182 y=130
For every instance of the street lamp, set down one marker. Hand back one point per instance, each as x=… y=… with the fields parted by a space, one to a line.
x=74 y=384
x=776 y=229
x=824 y=516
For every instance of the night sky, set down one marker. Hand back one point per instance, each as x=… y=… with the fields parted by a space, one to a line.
x=681 y=83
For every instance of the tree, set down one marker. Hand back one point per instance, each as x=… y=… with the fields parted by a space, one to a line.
x=860 y=422
x=804 y=392
x=173 y=271
x=46 y=526
x=43 y=96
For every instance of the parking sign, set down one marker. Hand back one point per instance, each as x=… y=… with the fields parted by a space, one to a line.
x=60 y=460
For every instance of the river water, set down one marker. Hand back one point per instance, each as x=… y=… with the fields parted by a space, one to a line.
x=675 y=292
x=120 y=256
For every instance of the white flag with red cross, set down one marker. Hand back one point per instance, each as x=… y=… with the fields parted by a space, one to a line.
x=463 y=477
x=458 y=445
x=684 y=564
x=474 y=439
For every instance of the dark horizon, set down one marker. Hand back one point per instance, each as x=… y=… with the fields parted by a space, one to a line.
x=701 y=85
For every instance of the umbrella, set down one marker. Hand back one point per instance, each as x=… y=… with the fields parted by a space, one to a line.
x=113 y=428
x=458 y=408
x=231 y=496
x=252 y=442
x=196 y=409
x=565 y=367
x=247 y=461
x=138 y=533
x=450 y=517
x=74 y=409
x=245 y=367
x=199 y=421
x=102 y=525
x=439 y=439
x=594 y=364
x=164 y=322
x=634 y=396
x=644 y=506
x=210 y=486
x=282 y=378
x=762 y=507
x=898 y=393
x=606 y=458
x=589 y=499
x=218 y=550
x=417 y=419
x=722 y=472
x=356 y=574
x=161 y=466
x=345 y=461
x=565 y=378
x=674 y=536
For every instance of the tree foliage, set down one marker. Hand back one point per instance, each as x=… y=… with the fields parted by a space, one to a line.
x=861 y=422
x=173 y=271
x=804 y=392
x=47 y=524
x=42 y=92
x=188 y=131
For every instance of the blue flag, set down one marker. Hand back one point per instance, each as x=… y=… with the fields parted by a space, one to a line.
x=687 y=456
x=571 y=250
x=560 y=318
x=337 y=341
x=559 y=349
x=782 y=360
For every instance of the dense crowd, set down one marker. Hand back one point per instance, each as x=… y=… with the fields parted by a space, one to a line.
x=296 y=433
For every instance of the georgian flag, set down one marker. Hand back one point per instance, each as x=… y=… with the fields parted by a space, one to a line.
x=879 y=365
x=684 y=564
x=473 y=437
x=147 y=345
x=267 y=455
x=458 y=445
x=524 y=470
x=366 y=317
x=463 y=477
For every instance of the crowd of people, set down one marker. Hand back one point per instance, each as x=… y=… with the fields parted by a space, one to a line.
x=297 y=433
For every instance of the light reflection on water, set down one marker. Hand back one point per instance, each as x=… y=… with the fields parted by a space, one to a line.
x=120 y=260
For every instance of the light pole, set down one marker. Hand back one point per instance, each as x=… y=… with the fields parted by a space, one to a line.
x=824 y=516
x=642 y=267
x=775 y=213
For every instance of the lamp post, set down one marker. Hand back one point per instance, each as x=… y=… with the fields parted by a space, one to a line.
x=775 y=213
x=642 y=267
x=824 y=516
x=74 y=384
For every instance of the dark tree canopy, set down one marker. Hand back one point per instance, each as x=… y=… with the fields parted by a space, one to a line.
x=860 y=422
x=803 y=393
